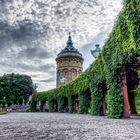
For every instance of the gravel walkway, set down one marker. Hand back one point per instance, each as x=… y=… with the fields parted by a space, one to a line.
x=57 y=126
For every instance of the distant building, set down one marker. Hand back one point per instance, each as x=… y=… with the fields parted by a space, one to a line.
x=69 y=63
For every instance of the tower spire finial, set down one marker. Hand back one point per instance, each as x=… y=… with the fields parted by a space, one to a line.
x=69 y=42
x=69 y=47
x=69 y=38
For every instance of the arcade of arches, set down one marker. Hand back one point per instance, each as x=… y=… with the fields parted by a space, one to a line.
x=109 y=85
x=69 y=65
x=130 y=81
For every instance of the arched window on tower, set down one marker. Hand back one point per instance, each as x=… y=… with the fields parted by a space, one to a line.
x=65 y=74
x=73 y=73
x=79 y=71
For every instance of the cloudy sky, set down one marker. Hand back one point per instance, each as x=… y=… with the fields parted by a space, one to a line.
x=32 y=32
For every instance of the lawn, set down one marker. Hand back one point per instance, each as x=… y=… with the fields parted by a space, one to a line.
x=2 y=113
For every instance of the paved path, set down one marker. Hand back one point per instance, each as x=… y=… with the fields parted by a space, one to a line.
x=57 y=126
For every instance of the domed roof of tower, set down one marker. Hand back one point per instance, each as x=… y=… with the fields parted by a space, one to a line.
x=69 y=47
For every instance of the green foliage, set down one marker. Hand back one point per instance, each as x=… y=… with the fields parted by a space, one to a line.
x=41 y=106
x=83 y=103
x=45 y=95
x=3 y=113
x=15 y=88
x=60 y=102
x=137 y=91
x=115 y=100
x=123 y=45
x=137 y=98
x=70 y=107
x=96 y=100
x=137 y=95
x=50 y=102
x=33 y=106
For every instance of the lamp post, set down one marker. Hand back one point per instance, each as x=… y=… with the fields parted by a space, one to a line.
x=96 y=51
x=63 y=80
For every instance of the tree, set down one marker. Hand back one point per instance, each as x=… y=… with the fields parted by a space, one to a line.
x=15 y=88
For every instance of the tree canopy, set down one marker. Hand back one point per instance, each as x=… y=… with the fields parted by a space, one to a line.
x=15 y=88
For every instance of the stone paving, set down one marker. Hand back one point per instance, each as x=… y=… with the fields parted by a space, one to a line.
x=58 y=126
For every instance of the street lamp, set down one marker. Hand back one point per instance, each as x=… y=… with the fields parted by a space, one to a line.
x=96 y=51
x=63 y=80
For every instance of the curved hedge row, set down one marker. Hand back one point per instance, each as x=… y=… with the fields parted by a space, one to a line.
x=123 y=44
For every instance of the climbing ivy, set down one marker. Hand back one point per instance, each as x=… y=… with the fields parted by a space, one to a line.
x=33 y=105
x=122 y=45
x=60 y=101
x=41 y=106
x=83 y=103
x=96 y=100
x=70 y=104
x=50 y=103
x=115 y=101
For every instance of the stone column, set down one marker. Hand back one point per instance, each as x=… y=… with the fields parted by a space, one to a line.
x=104 y=105
x=126 y=107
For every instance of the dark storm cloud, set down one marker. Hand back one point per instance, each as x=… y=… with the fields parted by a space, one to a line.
x=26 y=35
x=18 y=34
x=24 y=30
x=35 y=52
x=3 y=26
x=33 y=68
x=4 y=32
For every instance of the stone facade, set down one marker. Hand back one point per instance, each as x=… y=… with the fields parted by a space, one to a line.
x=69 y=63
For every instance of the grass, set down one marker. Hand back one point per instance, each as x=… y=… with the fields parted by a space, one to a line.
x=2 y=113
x=137 y=103
x=138 y=110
